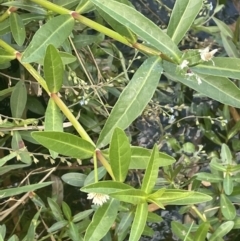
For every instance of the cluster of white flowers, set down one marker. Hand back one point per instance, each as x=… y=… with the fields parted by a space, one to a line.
x=98 y=198
x=205 y=55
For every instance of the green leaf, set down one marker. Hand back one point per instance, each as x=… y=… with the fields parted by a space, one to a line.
x=82 y=215
x=74 y=179
x=65 y=144
x=73 y=232
x=133 y=99
x=151 y=173
x=181 y=231
x=6 y=57
x=53 y=120
x=139 y=221
x=221 y=66
x=180 y=197
x=217 y=88
x=84 y=6
x=54 y=32
x=9 y=168
x=119 y=28
x=57 y=226
x=222 y=230
x=134 y=196
x=19 y=190
x=106 y=187
x=17 y=29
x=140 y=158
x=227 y=208
x=202 y=231
x=226 y=155
x=29 y=6
x=141 y=26
x=124 y=225
x=229 y=46
x=32 y=228
x=6 y=158
x=223 y=27
x=228 y=184
x=67 y=58
x=102 y=221
x=67 y=211
x=101 y=172
x=182 y=17
x=53 y=69
x=56 y=211
x=209 y=177
x=83 y=40
x=119 y=154
x=18 y=99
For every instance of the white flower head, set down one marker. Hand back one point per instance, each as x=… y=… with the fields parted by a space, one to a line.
x=184 y=64
x=206 y=55
x=98 y=198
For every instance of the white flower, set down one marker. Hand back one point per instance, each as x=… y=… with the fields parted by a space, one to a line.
x=98 y=198
x=206 y=55
x=184 y=64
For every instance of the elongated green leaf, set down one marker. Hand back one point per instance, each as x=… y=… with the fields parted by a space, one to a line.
x=228 y=184
x=182 y=17
x=133 y=99
x=8 y=168
x=223 y=27
x=139 y=222
x=83 y=40
x=140 y=158
x=29 y=6
x=53 y=69
x=74 y=179
x=101 y=171
x=56 y=211
x=73 y=232
x=119 y=154
x=102 y=221
x=209 y=177
x=57 y=226
x=82 y=215
x=180 y=197
x=119 y=28
x=134 y=196
x=124 y=225
x=7 y=158
x=151 y=173
x=18 y=99
x=181 y=231
x=226 y=155
x=6 y=56
x=229 y=46
x=221 y=66
x=54 y=32
x=202 y=231
x=106 y=187
x=18 y=190
x=65 y=144
x=222 y=230
x=67 y=58
x=227 y=208
x=217 y=88
x=17 y=29
x=53 y=120
x=85 y=6
x=141 y=26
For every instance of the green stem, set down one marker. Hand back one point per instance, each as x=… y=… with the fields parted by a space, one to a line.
x=51 y=6
x=100 y=28
x=7 y=13
x=104 y=162
x=71 y=118
x=7 y=47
